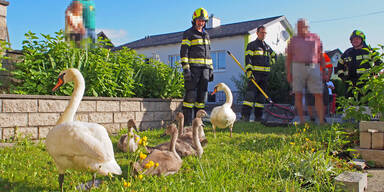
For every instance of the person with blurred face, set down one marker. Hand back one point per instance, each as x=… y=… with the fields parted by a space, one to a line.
x=350 y=66
x=197 y=65
x=303 y=63
x=258 y=60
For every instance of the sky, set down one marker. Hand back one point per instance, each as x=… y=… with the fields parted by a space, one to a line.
x=125 y=21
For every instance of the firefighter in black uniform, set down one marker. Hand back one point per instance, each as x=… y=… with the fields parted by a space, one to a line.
x=350 y=65
x=197 y=64
x=258 y=60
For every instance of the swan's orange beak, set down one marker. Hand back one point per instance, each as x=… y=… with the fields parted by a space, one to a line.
x=214 y=91
x=59 y=83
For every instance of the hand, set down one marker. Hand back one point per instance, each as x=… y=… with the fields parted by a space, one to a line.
x=187 y=75
x=210 y=75
x=250 y=75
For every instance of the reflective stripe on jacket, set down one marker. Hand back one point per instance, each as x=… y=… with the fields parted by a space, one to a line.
x=259 y=57
x=351 y=65
x=195 y=49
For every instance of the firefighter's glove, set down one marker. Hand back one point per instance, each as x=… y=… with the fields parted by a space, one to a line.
x=250 y=75
x=187 y=75
x=210 y=75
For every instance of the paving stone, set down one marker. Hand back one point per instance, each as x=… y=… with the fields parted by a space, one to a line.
x=352 y=181
x=358 y=164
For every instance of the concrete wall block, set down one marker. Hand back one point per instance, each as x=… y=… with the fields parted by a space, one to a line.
x=112 y=128
x=156 y=106
x=145 y=125
x=365 y=140
x=1 y=105
x=144 y=116
x=82 y=117
x=130 y=106
x=19 y=105
x=108 y=106
x=377 y=125
x=176 y=106
x=43 y=131
x=1 y=134
x=352 y=181
x=40 y=119
x=101 y=117
x=377 y=140
x=87 y=106
x=374 y=155
x=8 y=133
x=31 y=132
x=125 y=125
x=13 y=119
x=52 y=105
x=166 y=116
x=123 y=117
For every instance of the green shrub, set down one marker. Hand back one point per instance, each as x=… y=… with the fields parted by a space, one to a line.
x=367 y=101
x=4 y=47
x=278 y=87
x=122 y=73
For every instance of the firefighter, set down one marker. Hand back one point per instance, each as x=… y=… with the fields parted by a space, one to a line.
x=197 y=64
x=258 y=60
x=350 y=66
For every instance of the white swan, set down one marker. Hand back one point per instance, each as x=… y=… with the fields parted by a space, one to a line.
x=223 y=116
x=129 y=142
x=79 y=145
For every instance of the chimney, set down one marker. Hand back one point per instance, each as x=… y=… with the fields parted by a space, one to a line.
x=4 y=36
x=213 y=22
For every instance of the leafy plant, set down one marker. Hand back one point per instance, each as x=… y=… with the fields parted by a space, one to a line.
x=367 y=101
x=122 y=73
x=4 y=47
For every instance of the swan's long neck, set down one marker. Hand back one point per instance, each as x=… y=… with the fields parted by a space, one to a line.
x=130 y=132
x=77 y=95
x=228 y=95
x=173 y=145
x=196 y=139
x=181 y=126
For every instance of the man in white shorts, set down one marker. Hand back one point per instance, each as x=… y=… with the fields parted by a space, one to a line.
x=304 y=58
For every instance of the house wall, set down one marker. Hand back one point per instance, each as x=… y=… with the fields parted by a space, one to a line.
x=274 y=38
x=235 y=44
x=35 y=115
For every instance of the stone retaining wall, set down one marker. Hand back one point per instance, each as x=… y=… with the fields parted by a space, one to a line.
x=35 y=115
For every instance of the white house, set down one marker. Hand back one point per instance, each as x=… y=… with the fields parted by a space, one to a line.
x=233 y=37
x=334 y=55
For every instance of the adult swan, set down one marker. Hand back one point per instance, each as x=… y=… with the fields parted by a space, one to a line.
x=79 y=145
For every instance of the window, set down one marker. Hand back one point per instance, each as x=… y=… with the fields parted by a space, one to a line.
x=218 y=60
x=174 y=60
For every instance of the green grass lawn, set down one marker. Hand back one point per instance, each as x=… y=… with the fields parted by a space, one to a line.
x=257 y=158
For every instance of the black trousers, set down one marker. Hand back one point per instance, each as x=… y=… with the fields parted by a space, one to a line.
x=195 y=93
x=254 y=98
